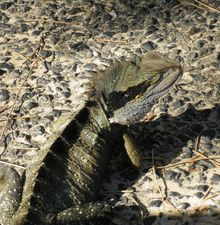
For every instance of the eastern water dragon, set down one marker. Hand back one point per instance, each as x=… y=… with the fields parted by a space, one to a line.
x=60 y=187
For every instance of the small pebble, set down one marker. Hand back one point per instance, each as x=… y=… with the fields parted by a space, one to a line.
x=184 y=205
x=66 y=94
x=4 y=95
x=215 y=178
x=175 y=194
x=172 y=175
x=177 y=104
x=149 y=45
x=90 y=67
x=79 y=46
x=6 y=66
x=24 y=27
x=56 y=113
x=30 y=105
x=151 y=29
x=124 y=28
x=155 y=203
x=205 y=164
x=199 y=195
x=45 y=53
x=202 y=188
x=5 y=5
x=187 y=152
x=2 y=72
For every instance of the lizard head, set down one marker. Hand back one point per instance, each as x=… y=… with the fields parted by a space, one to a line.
x=125 y=82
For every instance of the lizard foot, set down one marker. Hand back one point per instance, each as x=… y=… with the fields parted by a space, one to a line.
x=84 y=212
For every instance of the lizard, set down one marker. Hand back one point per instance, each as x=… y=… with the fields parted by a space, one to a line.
x=61 y=185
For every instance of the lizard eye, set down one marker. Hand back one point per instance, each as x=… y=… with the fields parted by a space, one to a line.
x=152 y=78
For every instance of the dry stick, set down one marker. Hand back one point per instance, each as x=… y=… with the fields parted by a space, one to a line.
x=18 y=93
x=12 y=164
x=214 y=162
x=207 y=6
x=172 y=165
x=164 y=198
x=194 y=159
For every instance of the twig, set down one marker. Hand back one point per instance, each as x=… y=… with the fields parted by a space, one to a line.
x=197 y=143
x=207 y=193
x=19 y=118
x=203 y=5
x=6 y=107
x=12 y=164
x=41 y=45
x=51 y=21
x=216 y=163
x=207 y=6
x=172 y=165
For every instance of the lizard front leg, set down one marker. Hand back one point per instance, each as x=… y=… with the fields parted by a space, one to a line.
x=132 y=150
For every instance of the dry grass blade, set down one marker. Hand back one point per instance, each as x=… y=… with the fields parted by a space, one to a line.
x=104 y=40
x=52 y=21
x=19 y=118
x=211 y=196
x=12 y=164
x=163 y=197
x=192 y=160
x=207 y=193
x=173 y=165
x=6 y=107
x=200 y=5
x=207 y=6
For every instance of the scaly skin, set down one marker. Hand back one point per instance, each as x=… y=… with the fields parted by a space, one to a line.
x=62 y=184
x=67 y=173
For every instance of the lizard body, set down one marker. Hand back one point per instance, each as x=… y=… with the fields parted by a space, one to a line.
x=61 y=186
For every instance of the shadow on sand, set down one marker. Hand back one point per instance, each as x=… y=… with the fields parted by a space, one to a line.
x=167 y=136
